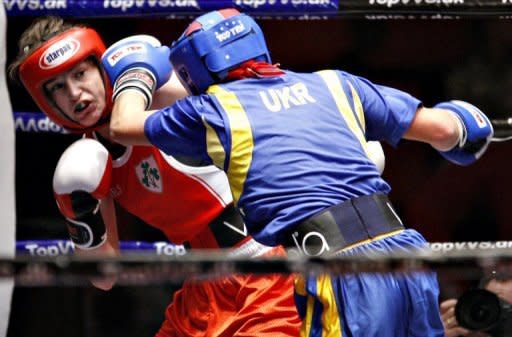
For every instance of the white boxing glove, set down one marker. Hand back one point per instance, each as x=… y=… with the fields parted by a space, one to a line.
x=82 y=178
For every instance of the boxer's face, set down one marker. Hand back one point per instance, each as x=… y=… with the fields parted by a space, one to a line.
x=79 y=93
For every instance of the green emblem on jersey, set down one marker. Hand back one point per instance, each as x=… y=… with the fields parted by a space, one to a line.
x=151 y=176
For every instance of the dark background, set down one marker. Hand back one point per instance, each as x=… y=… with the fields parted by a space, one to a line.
x=434 y=60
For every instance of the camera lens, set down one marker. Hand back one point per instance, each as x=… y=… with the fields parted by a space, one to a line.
x=478 y=309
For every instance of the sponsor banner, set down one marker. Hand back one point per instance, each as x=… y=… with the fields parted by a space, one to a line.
x=469 y=245
x=172 y=8
x=36 y=122
x=404 y=4
x=425 y=9
x=274 y=9
x=66 y=247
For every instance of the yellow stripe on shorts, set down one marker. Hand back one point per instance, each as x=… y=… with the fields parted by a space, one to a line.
x=330 y=315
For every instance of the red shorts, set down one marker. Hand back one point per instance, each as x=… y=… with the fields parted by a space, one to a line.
x=234 y=306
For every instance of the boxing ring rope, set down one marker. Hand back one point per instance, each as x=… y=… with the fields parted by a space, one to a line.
x=66 y=247
x=276 y=9
x=37 y=264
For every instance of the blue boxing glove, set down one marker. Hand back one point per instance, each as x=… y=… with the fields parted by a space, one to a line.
x=476 y=135
x=138 y=62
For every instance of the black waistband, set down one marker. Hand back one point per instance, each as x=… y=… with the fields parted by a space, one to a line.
x=345 y=224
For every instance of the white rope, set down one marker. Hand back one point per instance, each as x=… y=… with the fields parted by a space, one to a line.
x=458 y=260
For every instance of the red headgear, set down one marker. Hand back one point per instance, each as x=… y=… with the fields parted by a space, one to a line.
x=57 y=55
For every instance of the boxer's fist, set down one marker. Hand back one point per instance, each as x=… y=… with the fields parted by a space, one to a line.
x=476 y=134
x=81 y=179
x=138 y=62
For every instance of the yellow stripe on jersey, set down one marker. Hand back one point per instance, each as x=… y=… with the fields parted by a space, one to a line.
x=335 y=87
x=358 y=106
x=214 y=146
x=242 y=143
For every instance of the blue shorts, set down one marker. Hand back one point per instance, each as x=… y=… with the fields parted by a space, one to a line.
x=371 y=304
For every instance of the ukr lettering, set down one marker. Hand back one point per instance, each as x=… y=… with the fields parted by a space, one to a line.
x=284 y=98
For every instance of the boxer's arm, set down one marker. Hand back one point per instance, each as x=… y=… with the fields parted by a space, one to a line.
x=169 y=93
x=111 y=245
x=128 y=119
x=457 y=129
x=81 y=185
x=136 y=67
x=436 y=127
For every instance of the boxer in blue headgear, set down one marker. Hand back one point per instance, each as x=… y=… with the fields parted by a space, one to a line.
x=214 y=44
x=295 y=149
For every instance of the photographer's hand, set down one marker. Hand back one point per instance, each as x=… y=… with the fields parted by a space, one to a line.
x=451 y=326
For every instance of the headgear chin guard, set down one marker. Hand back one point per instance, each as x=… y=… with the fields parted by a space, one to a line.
x=213 y=44
x=57 y=55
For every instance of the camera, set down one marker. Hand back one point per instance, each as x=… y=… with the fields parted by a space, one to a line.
x=482 y=310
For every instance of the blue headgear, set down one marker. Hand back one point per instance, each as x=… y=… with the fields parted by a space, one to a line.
x=213 y=44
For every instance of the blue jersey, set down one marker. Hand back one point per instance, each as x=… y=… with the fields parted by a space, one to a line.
x=290 y=145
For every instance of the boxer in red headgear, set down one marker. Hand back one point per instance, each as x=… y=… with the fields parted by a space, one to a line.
x=58 y=65
x=58 y=56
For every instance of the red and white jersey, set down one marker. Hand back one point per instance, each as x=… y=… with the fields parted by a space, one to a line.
x=178 y=199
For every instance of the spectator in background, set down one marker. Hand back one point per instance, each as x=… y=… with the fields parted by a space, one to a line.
x=501 y=286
